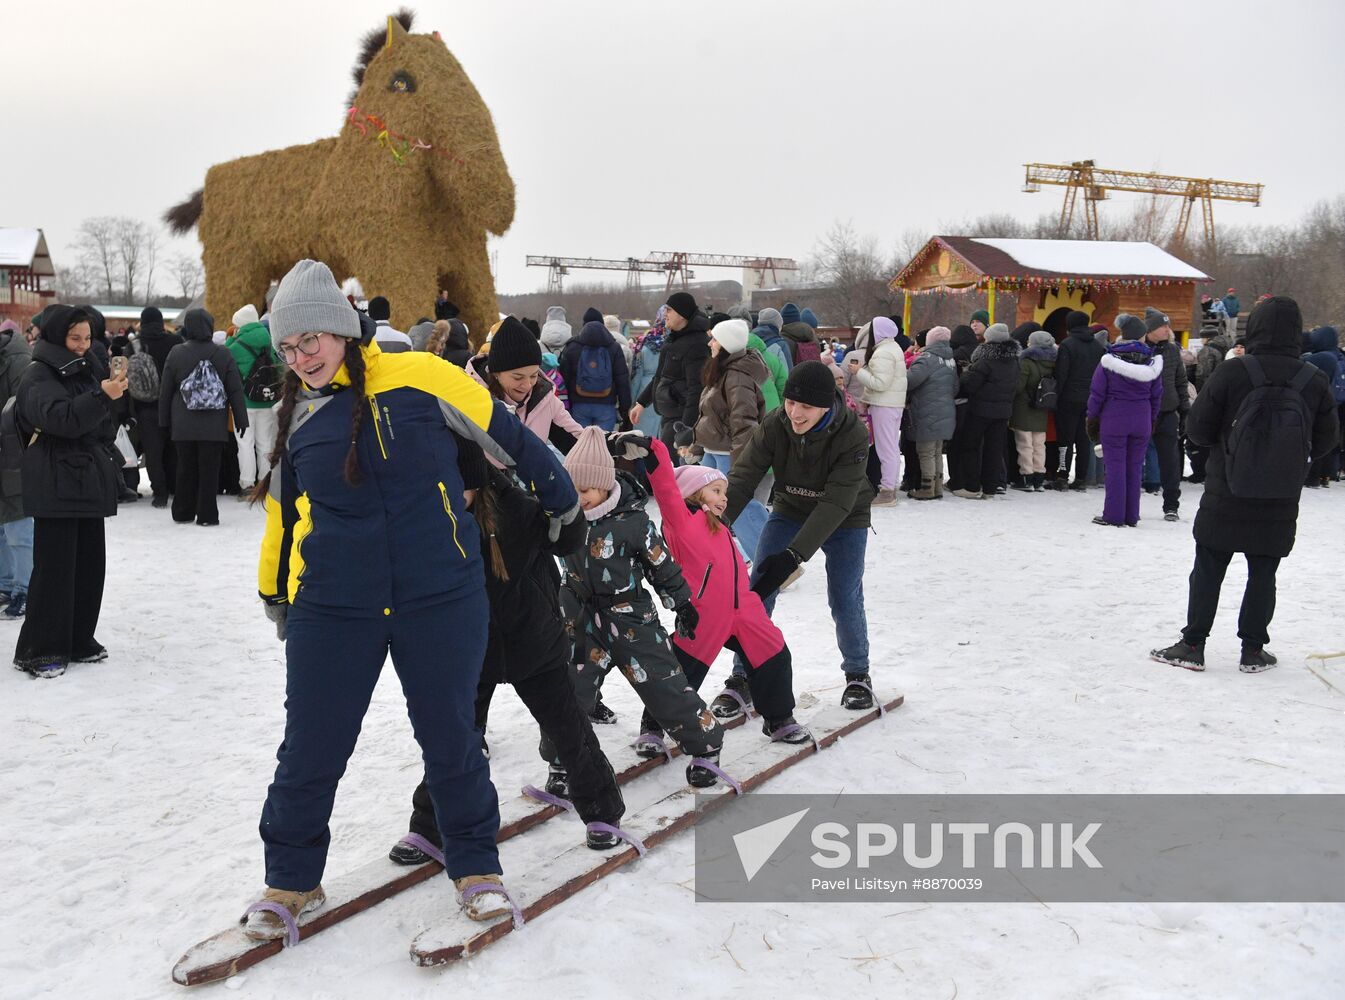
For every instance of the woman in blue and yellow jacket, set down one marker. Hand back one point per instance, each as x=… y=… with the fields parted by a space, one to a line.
x=368 y=551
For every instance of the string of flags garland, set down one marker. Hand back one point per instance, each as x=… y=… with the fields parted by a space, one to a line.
x=398 y=145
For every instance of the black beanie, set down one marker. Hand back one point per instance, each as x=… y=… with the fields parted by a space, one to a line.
x=683 y=304
x=379 y=308
x=472 y=464
x=513 y=346
x=533 y=327
x=1077 y=319
x=812 y=384
x=592 y=315
x=151 y=314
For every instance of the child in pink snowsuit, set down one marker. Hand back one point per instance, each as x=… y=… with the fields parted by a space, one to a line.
x=692 y=500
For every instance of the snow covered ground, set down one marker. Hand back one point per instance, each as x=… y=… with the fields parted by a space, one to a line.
x=130 y=790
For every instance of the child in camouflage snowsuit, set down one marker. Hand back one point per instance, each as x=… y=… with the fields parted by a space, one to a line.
x=614 y=620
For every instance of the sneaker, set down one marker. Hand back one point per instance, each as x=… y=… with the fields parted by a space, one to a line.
x=206 y=524
x=43 y=666
x=703 y=777
x=1079 y=487
x=159 y=502
x=403 y=853
x=999 y=491
x=649 y=745
x=885 y=498
x=16 y=607
x=263 y=925
x=968 y=494
x=1255 y=661
x=1023 y=486
x=601 y=715
x=800 y=735
x=557 y=781
x=858 y=693
x=1171 y=515
x=725 y=706
x=127 y=496
x=1180 y=654
x=96 y=655
x=600 y=840
x=1102 y=520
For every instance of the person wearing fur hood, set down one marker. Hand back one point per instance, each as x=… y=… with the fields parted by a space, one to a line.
x=988 y=386
x=884 y=379
x=1124 y=401
x=556 y=332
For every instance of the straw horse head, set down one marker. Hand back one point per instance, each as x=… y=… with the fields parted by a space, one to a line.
x=401 y=198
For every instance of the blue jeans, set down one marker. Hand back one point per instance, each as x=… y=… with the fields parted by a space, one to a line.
x=844 y=552
x=593 y=414
x=16 y=556
x=1151 y=477
x=752 y=517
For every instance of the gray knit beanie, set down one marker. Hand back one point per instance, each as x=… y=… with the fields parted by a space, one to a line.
x=995 y=334
x=1153 y=319
x=310 y=301
x=1040 y=338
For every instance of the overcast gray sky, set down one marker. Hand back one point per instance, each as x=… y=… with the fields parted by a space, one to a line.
x=737 y=126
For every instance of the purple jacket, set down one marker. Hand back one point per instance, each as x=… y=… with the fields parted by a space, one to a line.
x=1124 y=396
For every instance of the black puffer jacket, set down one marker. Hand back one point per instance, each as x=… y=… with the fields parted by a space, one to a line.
x=200 y=425
x=991 y=380
x=456 y=349
x=68 y=471
x=1175 y=394
x=155 y=340
x=1234 y=524
x=15 y=356
x=675 y=389
x=1076 y=359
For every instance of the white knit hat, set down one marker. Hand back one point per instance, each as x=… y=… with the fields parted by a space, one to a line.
x=731 y=334
x=246 y=315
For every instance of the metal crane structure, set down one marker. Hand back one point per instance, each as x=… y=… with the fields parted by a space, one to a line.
x=558 y=267
x=1097 y=183
x=676 y=264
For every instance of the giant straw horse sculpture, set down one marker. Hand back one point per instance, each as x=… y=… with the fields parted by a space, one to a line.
x=402 y=198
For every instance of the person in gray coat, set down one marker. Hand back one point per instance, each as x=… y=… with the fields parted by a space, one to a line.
x=199 y=387
x=931 y=387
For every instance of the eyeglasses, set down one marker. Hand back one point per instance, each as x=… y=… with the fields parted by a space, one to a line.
x=308 y=344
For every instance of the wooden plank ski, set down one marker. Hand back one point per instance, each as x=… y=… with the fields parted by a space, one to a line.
x=231 y=951
x=557 y=880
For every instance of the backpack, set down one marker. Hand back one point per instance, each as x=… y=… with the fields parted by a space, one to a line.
x=142 y=376
x=807 y=350
x=594 y=379
x=1338 y=383
x=1269 y=447
x=1046 y=395
x=263 y=382
x=203 y=389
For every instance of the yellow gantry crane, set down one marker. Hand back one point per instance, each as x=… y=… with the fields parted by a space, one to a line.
x=1096 y=183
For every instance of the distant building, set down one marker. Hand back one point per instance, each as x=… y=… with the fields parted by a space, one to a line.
x=24 y=262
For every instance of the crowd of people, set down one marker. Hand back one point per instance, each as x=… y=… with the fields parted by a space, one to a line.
x=501 y=494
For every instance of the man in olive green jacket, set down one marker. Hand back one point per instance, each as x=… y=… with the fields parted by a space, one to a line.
x=819 y=451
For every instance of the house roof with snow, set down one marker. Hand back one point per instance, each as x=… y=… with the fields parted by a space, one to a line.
x=963 y=261
x=25 y=248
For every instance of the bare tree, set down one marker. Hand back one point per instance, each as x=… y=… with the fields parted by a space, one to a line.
x=152 y=244
x=131 y=247
x=855 y=275
x=96 y=249
x=187 y=272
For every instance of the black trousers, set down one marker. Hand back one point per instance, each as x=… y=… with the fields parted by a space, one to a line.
x=980 y=463
x=771 y=683
x=1258 y=600
x=550 y=697
x=1167 y=442
x=1199 y=455
x=156 y=447
x=1071 y=434
x=65 y=592
x=197 y=481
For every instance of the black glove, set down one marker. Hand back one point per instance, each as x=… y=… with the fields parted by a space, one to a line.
x=278 y=613
x=1094 y=427
x=629 y=445
x=683 y=436
x=687 y=620
x=773 y=571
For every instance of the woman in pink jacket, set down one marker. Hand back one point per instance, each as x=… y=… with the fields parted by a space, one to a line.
x=692 y=500
x=512 y=372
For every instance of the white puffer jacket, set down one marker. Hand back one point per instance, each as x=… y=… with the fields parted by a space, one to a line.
x=884 y=377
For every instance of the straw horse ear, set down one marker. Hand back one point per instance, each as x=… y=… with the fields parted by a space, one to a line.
x=395 y=31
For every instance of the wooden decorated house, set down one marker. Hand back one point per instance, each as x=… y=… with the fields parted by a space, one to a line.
x=1051 y=278
x=24 y=262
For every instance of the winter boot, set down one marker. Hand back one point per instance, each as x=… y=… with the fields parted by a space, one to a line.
x=1038 y=482
x=885 y=498
x=485 y=903
x=1255 y=661
x=726 y=706
x=650 y=745
x=774 y=728
x=16 y=606
x=601 y=714
x=43 y=666
x=600 y=840
x=403 y=853
x=858 y=693
x=1181 y=654
x=558 y=781
x=95 y=655
x=1023 y=484
x=925 y=492
x=968 y=494
x=263 y=925
x=703 y=777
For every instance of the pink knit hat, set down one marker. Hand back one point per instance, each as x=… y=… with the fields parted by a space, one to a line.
x=691 y=479
x=589 y=463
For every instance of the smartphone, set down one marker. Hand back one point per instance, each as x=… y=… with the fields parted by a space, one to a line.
x=119 y=365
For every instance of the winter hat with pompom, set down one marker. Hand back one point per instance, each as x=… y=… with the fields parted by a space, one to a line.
x=691 y=479
x=589 y=463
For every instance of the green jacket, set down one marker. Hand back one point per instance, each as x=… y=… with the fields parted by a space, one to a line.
x=820 y=477
x=1025 y=416
x=248 y=345
x=774 y=389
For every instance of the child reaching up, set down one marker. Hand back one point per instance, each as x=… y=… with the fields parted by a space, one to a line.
x=692 y=500
x=614 y=620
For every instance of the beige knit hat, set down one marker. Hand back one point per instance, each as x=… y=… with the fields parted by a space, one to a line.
x=589 y=463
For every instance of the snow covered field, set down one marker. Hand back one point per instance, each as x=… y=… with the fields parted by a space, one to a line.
x=130 y=790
